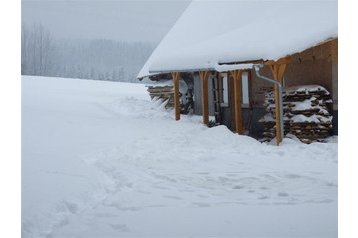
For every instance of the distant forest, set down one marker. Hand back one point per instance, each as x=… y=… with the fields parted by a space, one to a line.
x=44 y=55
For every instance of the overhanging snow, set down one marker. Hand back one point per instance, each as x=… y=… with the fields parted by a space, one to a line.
x=209 y=32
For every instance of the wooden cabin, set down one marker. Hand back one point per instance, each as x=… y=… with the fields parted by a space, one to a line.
x=225 y=57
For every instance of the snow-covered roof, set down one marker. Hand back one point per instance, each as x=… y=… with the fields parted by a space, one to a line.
x=213 y=32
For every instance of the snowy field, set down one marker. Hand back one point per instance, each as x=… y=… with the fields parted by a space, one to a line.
x=99 y=159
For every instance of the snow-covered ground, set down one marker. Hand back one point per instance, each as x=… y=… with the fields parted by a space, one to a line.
x=99 y=159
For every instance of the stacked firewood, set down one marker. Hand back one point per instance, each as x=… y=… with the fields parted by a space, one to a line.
x=163 y=92
x=305 y=110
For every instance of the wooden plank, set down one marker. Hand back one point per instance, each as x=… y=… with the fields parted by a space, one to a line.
x=216 y=98
x=278 y=116
x=176 y=76
x=239 y=122
x=237 y=74
x=234 y=87
x=243 y=62
x=204 y=75
x=221 y=87
x=231 y=100
x=334 y=50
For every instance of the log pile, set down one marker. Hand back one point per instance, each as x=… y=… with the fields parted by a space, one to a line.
x=163 y=92
x=306 y=113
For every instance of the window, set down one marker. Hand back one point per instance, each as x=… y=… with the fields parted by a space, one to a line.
x=245 y=89
x=225 y=101
x=225 y=90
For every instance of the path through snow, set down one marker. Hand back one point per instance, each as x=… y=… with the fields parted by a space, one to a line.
x=99 y=159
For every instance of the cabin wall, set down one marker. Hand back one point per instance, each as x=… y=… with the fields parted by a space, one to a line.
x=317 y=65
x=198 y=93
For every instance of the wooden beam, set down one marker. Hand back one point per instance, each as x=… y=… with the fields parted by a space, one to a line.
x=204 y=75
x=176 y=76
x=243 y=62
x=284 y=60
x=278 y=71
x=237 y=74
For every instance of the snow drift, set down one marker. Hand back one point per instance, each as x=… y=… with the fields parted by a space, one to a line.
x=99 y=159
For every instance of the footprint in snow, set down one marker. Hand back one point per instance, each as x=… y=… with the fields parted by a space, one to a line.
x=72 y=207
x=328 y=184
x=203 y=173
x=120 y=227
x=292 y=176
x=161 y=187
x=238 y=187
x=201 y=204
x=282 y=194
x=67 y=206
x=202 y=196
x=129 y=208
x=173 y=197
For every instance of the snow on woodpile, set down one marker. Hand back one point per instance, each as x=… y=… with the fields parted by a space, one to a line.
x=164 y=93
x=164 y=90
x=212 y=32
x=306 y=113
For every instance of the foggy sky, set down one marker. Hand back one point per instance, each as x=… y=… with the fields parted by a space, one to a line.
x=93 y=19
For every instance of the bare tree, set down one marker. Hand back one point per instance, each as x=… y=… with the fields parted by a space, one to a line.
x=37 y=50
x=96 y=59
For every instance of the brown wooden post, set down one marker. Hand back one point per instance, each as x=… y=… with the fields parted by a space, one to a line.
x=204 y=75
x=231 y=99
x=238 y=101
x=278 y=70
x=175 y=76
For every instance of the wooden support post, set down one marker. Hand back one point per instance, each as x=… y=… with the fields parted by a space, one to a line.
x=278 y=70
x=204 y=75
x=176 y=76
x=238 y=101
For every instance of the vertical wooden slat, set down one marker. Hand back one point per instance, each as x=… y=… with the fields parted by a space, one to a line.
x=204 y=96
x=278 y=116
x=175 y=76
x=221 y=88
x=231 y=98
x=234 y=86
x=238 y=101
x=278 y=70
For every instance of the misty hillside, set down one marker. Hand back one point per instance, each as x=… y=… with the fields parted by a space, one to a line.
x=100 y=59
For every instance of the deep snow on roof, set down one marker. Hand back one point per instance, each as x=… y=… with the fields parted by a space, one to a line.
x=212 y=32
